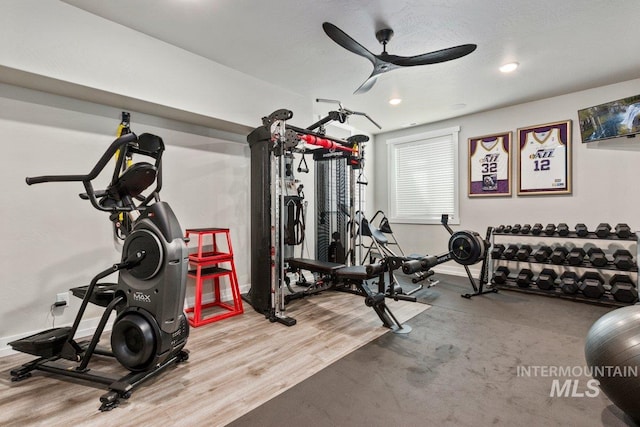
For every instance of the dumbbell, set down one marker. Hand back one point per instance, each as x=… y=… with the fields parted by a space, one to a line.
x=550 y=229
x=569 y=282
x=623 y=289
x=499 y=229
x=592 y=285
x=507 y=229
x=523 y=253
x=501 y=275
x=497 y=250
x=597 y=258
x=510 y=252
x=558 y=255
x=576 y=256
x=526 y=229
x=516 y=229
x=623 y=260
x=536 y=229
x=603 y=230
x=563 y=229
x=546 y=279
x=542 y=253
x=623 y=231
x=525 y=277
x=581 y=230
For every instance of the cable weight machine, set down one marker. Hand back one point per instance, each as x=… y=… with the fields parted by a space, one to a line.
x=272 y=188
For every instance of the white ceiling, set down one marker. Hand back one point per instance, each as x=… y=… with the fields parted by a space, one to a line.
x=562 y=46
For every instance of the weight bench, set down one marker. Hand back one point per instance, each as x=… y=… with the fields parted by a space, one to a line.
x=352 y=279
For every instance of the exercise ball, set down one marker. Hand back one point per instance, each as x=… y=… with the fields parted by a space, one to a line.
x=612 y=350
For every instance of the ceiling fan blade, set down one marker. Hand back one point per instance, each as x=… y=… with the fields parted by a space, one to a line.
x=368 y=84
x=340 y=37
x=433 y=57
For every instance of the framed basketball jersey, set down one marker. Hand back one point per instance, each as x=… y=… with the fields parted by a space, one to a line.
x=544 y=159
x=490 y=165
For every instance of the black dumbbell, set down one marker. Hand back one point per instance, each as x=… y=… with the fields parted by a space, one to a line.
x=592 y=285
x=497 y=250
x=563 y=229
x=581 y=230
x=550 y=229
x=507 y=229
x=569 y=282
x=524 y=278
x=597 y=258
x=623 y=289
x=523 y=253
x=603 y=230
x=623 y=231
x=558 y=255
x=576 y=256
x=510 y=252
x=542 y=253
x=501 y=275
x=623 y=260
x=526 y=229
x=499 y=229
x=546 y=279
x=536 y=229
x=516 y=229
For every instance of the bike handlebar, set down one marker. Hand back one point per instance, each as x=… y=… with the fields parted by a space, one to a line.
x=102 y=162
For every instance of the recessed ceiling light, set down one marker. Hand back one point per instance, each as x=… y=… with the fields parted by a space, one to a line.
x=507 y=68
x=395 y=101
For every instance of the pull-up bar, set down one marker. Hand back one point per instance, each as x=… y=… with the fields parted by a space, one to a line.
x=324 y=143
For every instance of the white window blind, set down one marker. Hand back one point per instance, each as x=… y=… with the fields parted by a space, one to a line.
x=423 y=177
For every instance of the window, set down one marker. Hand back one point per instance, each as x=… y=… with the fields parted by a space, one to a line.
x=423 y=177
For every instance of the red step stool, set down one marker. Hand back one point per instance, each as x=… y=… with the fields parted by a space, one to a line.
x=207 y=267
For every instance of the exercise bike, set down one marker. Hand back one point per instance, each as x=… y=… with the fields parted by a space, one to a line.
x=150 y=329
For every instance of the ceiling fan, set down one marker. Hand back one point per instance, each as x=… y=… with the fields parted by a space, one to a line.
x=385 y=62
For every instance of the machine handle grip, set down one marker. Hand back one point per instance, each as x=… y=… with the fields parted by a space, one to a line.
x=98 y=194
x=36 y=180
x=106 y=157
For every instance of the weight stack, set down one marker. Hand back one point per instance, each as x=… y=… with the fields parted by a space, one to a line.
x=259 y=295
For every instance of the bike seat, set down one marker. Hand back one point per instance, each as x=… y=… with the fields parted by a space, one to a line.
x=134 y=180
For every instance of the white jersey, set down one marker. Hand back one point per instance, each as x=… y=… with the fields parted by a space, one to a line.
x=489 y=164
x=543 y=161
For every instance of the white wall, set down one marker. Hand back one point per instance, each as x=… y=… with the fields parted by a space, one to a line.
x=53 y=240
x=605 y=174
x=53 y=46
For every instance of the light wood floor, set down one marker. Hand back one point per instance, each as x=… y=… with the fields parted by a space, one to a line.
x=235 y=365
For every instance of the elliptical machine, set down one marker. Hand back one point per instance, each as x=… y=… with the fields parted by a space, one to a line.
x=150 y=329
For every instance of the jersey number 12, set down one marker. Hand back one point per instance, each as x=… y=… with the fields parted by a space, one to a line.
x=542 y=165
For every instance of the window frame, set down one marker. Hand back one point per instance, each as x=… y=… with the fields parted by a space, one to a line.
x=418 y=140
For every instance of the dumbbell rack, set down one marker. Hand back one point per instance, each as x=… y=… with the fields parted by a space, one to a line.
x=511 y=282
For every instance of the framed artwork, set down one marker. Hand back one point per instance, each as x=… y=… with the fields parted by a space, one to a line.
x=544 y=159
x=490 y=165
